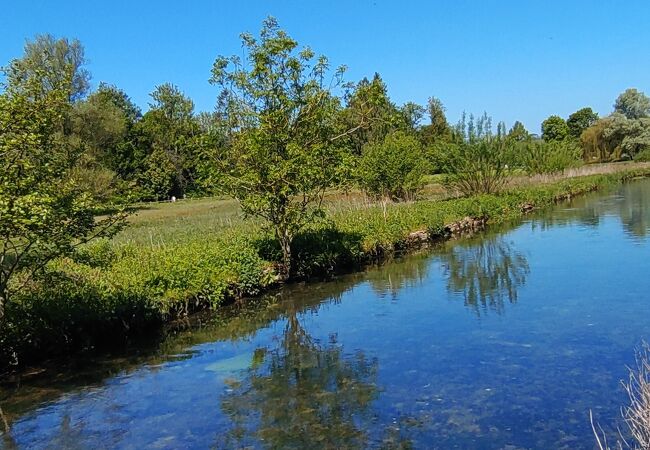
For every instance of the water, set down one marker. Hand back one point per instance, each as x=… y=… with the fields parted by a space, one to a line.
x=503 y=341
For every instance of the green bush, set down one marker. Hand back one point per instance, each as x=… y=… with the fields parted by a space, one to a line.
x=476 y=166
x=537 y=157
x=393 y=169
x=643 y=156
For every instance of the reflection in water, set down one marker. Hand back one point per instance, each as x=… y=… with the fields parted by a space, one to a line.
x=629 y=203
x=390 y=279
x=486 y=272
x=302 y=394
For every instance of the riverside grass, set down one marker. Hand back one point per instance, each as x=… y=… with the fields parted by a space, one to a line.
x=113 y=290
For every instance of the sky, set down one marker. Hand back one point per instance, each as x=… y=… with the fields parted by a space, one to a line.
x=516 y=60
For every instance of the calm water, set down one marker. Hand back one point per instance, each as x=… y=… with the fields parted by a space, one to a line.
x=504 y=341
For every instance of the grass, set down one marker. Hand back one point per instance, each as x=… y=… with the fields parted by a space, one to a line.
x=196 y=254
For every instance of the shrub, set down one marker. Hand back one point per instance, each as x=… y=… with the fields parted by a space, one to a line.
x=393 y=169
x=643 y=156
x=548 y=156
x=476 y=166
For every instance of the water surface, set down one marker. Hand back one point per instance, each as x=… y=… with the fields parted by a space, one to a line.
x=502 y=341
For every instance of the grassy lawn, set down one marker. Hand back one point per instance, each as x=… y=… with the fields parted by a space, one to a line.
x=165 y=223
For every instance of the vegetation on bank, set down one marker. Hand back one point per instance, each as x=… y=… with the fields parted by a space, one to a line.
x=112 y=290
x=286 y=130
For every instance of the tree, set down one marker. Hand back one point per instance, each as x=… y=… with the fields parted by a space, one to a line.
x=597 y=143
x=633 y=104
x=518 y=132
x=370 y=113
x=56 y=64
x=538 y=156
x=476 y=161
x=172 y=131
x=438 y=129
x=413 y=114
x=616 y=137
x=554 y=129
x=580 y=120
x=281 y=121
x=43 y=213
x=126 y=155
x=394 y=168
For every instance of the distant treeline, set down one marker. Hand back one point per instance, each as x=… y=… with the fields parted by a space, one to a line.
x=169 y=149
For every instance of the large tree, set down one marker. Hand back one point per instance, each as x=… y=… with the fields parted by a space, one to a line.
x=554 y=129
x=393 y=169
x=173 y=132
x=281 y=120
x=372 y=115
x=580 y=120
x=633 y=104
x=54 y=64
x=43 y=213
x=518 y=132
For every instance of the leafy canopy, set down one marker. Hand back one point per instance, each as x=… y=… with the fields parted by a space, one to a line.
x=280 y=116
x=554 y=129
x=43 y=213
x=393 y=169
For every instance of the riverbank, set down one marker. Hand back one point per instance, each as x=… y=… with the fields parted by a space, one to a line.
x=114 y=291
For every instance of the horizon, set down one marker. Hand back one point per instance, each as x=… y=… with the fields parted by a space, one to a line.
x=479 y=61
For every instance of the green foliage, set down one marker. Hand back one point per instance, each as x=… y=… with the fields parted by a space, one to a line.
x=633 y=104
x=393 y=169
x=438 y=130
x=281 y=121
x=580 y=120
x=370 y=115
x=643 y=156
x=478 y=166
x=113 y=290
x=51 y=64
x=548 y=156
x=413 y=114
x=476 y=161
x=554 y=129
x=169 y=168
x=518 y=133
x=43 y=213
x=616 y=137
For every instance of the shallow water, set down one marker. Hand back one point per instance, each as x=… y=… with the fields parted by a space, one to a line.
x=502 y=341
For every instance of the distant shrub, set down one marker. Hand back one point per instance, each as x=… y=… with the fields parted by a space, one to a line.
x=643 y=156
x=478 y=166
x=537 y=157
x=393 y=169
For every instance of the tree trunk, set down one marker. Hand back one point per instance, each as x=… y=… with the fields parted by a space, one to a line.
x=5 y=423
x=285 y=239
x=3 y=301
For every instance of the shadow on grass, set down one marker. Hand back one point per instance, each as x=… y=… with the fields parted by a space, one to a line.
x=320 y=253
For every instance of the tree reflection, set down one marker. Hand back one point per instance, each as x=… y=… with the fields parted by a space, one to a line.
x=631 y=204
x=634 y=210
x=302 y=394
x=388 y=280
x=487 y=272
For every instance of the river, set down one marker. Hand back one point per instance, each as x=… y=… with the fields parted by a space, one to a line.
x=505 y=340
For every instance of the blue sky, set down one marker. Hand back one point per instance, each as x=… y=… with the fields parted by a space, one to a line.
x=517 y=60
